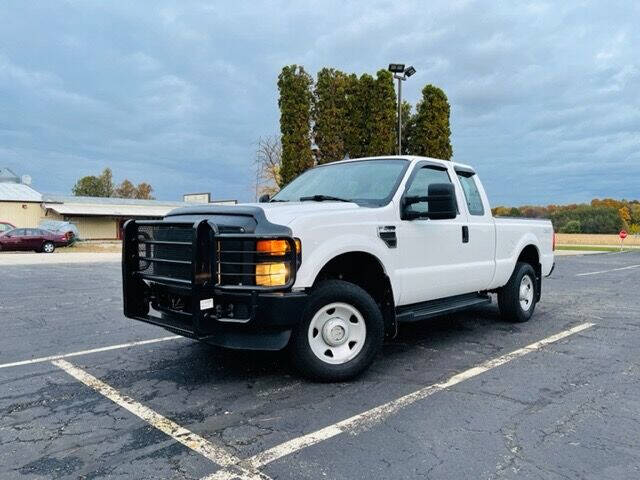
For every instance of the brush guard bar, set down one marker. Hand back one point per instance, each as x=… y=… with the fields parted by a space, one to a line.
x=188 y=260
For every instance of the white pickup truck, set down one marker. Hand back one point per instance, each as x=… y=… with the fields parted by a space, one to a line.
x=335 y=261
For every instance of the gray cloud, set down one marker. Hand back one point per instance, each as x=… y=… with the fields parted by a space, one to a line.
x=544 y=95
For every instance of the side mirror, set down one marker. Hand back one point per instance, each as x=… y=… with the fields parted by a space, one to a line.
x=264 y=198
x=441 y=198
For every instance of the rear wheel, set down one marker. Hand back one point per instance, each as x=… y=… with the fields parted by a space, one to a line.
x=48 y=247
x=340 y=333
x=517 y=299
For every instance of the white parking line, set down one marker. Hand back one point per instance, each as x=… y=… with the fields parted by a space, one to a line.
x=607 y=271
x=87 y=352
x=378 y=414
x=215 y=453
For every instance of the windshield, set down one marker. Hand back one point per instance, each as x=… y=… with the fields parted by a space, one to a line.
x=363 y=181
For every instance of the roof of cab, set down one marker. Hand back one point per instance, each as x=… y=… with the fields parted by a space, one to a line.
x=411 y=158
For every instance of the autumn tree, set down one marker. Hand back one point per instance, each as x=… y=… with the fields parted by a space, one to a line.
x=431 y=135
x=330 y=114
x=128 y=190
x=294 y=85
x=144 y=191
x=268 y=162
x=94 y=186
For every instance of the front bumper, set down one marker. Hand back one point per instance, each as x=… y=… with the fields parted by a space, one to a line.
x=272 y=316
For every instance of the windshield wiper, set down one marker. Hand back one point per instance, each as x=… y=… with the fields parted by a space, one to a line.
x=322 y=198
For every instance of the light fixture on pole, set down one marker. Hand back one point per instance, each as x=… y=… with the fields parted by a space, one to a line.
x=401 y=74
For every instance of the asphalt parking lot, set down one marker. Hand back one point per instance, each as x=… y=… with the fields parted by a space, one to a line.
x=461 y=396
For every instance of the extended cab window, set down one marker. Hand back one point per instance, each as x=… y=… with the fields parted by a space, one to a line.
x=424 y=177
x=471 y=193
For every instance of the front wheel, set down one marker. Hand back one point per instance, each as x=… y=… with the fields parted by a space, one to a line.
x=340 y=333
x=517 y=299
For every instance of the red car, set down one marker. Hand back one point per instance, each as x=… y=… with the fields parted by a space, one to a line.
x=32 y=239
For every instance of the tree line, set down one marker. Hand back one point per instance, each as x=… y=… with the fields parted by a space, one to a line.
x=342 y=115
x=102 y=186
x=600 y=216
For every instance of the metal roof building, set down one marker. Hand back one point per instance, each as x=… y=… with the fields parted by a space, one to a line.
x=95 y=217
x=18 y=192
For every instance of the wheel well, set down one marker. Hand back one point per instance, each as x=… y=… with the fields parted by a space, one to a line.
x=531 y=256
x=366 y=271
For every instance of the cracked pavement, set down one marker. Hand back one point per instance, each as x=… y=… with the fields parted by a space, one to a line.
x=569 y=411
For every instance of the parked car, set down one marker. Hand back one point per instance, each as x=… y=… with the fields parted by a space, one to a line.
x=339 y=258
x=36 y=239
x=6 y=226
x=59 y=226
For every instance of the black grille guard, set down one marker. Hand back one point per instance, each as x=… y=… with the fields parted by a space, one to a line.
x=197 y=273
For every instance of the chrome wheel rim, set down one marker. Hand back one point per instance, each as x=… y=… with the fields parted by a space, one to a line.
x=526 y=293
x=337 y=333
x=48 y=247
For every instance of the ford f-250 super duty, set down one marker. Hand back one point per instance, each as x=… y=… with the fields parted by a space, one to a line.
x=334 y=262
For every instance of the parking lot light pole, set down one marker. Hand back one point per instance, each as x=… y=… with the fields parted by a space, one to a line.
x=401 y=74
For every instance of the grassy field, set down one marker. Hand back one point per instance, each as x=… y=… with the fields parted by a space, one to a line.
x=592 y=239
x=592 y=248
x=93 y=247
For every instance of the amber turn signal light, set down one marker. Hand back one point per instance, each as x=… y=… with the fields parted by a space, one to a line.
x=276 y=247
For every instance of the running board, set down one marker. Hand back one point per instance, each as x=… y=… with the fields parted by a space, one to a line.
x=434 y=308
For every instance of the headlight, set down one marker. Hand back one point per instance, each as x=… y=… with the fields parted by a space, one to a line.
x=272 y=274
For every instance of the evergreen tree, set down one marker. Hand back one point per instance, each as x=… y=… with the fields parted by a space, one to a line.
x=92 y=186
x=431 y=135
x=383 y=116
x=408 y=126
x=330 y=115
x=294 y=85
x=353 y=129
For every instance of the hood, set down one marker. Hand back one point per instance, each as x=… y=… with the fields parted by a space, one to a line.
x=284 y=213
x=250 y=215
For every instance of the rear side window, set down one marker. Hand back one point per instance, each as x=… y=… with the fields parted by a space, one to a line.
x=471 y=193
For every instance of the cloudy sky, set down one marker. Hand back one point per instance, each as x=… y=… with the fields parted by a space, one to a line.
x=545 y=97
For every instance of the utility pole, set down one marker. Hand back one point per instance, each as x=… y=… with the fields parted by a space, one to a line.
x=401 y=74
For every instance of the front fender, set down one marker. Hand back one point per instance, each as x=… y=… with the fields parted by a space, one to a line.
x=325 y=251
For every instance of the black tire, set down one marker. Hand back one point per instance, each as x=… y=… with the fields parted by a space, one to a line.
x=48 y=247
x=337 y=291
x=511 y=308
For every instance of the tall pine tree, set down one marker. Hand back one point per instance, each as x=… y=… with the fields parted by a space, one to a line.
x=294 y=85
x=330 y=114
x=382 y=135
x=408 y=126
x=430 y=135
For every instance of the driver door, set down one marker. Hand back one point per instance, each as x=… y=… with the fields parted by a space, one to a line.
x=432 y=255
x=13 y=239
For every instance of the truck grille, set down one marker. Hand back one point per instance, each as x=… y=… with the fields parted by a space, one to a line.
x=188 y=254
x=166 y=251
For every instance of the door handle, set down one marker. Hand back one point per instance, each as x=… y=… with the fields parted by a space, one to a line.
x=465 y=234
